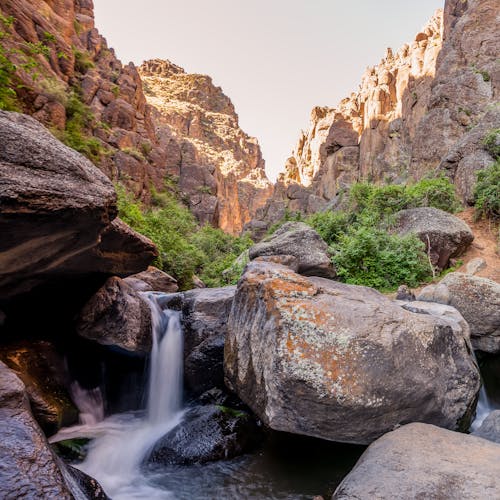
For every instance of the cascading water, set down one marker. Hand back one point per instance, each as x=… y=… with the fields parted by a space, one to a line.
x=123 y=441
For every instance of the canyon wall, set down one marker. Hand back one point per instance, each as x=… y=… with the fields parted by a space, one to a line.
x=425 y=108
x=67 y=77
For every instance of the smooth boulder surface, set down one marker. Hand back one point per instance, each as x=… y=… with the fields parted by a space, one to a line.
x=444 y=235
x=153 y=279
x=28 y=467
x=207 y=433
x=302 y=242
x=490 y=428
x=424 y=461
x=117 y=315
x=342 y=362
x=62 y=208
x=204 y=321
x=477 y=299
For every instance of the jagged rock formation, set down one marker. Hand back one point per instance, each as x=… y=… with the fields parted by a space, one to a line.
x=428 y=106
x=220 y=168
x=73 y=83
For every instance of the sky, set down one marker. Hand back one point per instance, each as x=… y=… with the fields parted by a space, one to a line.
x=275 y=59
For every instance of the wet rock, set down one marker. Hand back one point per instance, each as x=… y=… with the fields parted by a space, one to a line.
x=342 y=362
x=444 y=235
x=207 y=433
x=28 y=467
x=424 y=461
x=41 y=369
x=156 y=280
x=117 y=315
x=301 y=241
x=88 y=485
x=204 y=321
x=490 y=428
x=477 y=299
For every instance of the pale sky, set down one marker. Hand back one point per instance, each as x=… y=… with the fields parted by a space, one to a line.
x=275 y=59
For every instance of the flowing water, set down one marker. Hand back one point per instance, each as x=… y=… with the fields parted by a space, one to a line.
x=489 y=397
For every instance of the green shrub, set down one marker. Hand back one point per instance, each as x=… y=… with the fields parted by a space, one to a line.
x=330 y=225
x=366 y=255
x=487 y=192
x=492 y=143
x=8 y=96
x=437 y=193
x=83 y=61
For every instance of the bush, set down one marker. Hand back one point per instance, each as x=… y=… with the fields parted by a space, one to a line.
x=369 y=256
x=487 y=192
x=492 y=143
x=330 y=225
x=437 y=193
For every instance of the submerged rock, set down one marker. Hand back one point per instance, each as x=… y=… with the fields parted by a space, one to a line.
x=302 y=242
x=490 y=428
x=28 y=467
x=207 y=433
x=117 y=315
x=343 y=362
x=477 y=299
x=41 y=369
x=444 y=235
x=424 y=461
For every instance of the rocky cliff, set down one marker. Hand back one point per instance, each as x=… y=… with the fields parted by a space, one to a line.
x=66 y=76
x=220 y=168
x=424 y=108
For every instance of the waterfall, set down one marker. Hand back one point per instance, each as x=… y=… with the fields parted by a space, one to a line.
x=123 y=441
x=483 y=409
x=89 y=403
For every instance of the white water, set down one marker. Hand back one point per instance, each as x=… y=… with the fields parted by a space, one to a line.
x=123 y=441
x=89 y=402
x=483 y=409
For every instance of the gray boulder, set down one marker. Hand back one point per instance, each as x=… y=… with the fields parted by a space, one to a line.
x=153 y=279
x=302 y=242
x=424 y=461
x=490 y=428
x=117 y=315
x=444 y=235
x=341 y=362
x=477 y=299
x=204 y=321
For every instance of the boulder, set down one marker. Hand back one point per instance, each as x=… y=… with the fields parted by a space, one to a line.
x=42 y=371
x=424 y=461
x=475 y=265
x=28 y=467
x=477 y=299
x=154 y=279
x=207 y=433
x=342 y=362
x=444 y=235
x=301 y=241
x=490 y=428
x=117 y=315
x=62 y=207
x=204 y=321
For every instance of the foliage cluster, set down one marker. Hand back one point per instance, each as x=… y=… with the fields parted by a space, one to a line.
x=185 y=248
x=487 y=192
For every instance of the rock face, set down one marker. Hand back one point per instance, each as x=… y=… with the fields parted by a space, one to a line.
x=117 y=315
x=28 y=467
x=423 y=461
x=207 y=433
x=477 y=299
x=62 y=207
x=220 y=168
x=444 y=235
x=426 y=107
x=204 y=322
x=490 y=428
x=302 y=242
x=343 y=362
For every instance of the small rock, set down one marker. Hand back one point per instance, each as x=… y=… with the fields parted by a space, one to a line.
x=157 y=280
x=490 y=428
x=404 y=293
x=475 y=265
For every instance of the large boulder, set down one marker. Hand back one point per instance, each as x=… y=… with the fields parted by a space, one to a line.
x=207 y=433
x=344 y=362
x=444 y=235
x=28 y=467
x=424 y=461
x=61 y=207
x=153 y=279
x=301 y=241
x=204 y=321
x=117 y=315
x=477 y=299
x=41 y=368
x=490 y=428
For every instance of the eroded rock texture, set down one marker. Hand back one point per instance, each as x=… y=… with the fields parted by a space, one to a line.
x=219 y=167
x=427 y=106
x=341 y=362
